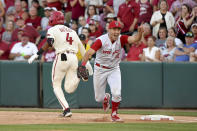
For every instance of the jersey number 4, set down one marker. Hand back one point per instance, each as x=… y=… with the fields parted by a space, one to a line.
x=69 y=39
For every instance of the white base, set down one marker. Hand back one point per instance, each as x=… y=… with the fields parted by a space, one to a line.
x=157 y=117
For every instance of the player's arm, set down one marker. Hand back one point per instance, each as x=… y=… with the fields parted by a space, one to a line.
x=136 y=37
x=95 y=46
x=87 y=55
x=49 y=43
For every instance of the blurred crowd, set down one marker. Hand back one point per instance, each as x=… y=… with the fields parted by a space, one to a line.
x=170 y=27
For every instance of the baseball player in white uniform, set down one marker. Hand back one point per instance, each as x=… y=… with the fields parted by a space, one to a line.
x=66 y=44
x=106 y=69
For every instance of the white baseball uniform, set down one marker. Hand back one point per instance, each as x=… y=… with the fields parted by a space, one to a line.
x=106 y=68
x=66 y=41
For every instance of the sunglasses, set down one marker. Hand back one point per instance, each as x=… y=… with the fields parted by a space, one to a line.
x=189 y=34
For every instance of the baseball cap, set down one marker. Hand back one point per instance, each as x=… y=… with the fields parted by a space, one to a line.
x=195 y=24
x=91 y=22
x=114 y=24
x=189 y=34
x=110 y=16
x=95 y=17
x=54 y=9
x=47 y=8
x=82 y=37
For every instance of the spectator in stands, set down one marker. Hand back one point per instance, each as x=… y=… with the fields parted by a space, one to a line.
x=182 y=22
x=128 y=15
x=19 y=36
x=67 y=10
x=78 y=9
x=2 y=29
x=23 y=50
x=177 y=5
x=113 y=6
x=45 y=20
x=24 y=5
x=10 y=16
x=49 y=55
x=147 y=32
x=91 y=11
x=2 y=11
x=146 y=11
x=156 y=2
x=194 y=14
x=162 y=18
x=94 y=32
x=96 y=19
x=44 y=3
x=82 y=23
x=194 y=31
x=6 y=36
x=82 y=37
x=172 y=33
x=16 y=9
x=183 y=53
x=34 y=36
x=55 y=3
x=193 y=56
x=97 y=3
x=74 y=25
x=34 y=20
x=167 y=55
x=103 y=16
x=40 y=9
x=162 y=36
x=86 y=32
x=151 y=53
x=8 y=3
x=110 y=17
x=136 y=51
x=4 y=50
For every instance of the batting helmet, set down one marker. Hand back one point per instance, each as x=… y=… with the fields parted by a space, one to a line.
x=57 y=17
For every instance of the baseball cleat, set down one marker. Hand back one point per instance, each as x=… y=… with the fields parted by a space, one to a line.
x=106 y=104
x=67 y=113
x=115 y=118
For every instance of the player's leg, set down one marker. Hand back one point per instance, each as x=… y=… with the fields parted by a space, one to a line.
x=71 y=80
x=100 y=82
x=57 y=77
x=114 y=81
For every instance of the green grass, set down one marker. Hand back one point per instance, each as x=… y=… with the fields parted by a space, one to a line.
x=103 y=127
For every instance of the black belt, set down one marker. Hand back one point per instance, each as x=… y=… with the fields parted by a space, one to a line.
x=105 y=67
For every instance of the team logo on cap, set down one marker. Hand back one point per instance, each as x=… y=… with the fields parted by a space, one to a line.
x=116 y=23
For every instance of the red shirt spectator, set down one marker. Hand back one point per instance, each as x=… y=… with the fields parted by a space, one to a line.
x=57 y=4
x=33 y=34
x=134 y=52
x=8 y=3
x=128 y=11
x=78 y=9
x=146 y=11
x=34 y=19
x=4 y=51
x=35 y=22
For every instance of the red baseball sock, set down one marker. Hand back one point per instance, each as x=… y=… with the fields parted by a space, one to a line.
x=115 y=106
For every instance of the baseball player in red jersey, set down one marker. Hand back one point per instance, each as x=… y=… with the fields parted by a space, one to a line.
x=66 y=44
x=106 y=69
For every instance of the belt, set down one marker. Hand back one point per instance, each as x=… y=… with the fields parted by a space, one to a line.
x=105 y=67
x=70 y=52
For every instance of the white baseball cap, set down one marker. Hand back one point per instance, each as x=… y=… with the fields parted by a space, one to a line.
x=47 y=8
x=96 y=18
x=195 y=24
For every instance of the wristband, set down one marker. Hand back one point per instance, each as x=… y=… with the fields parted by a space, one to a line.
x=83 y=63
x=40 y=51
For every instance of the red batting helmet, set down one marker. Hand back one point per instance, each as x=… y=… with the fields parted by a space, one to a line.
x=57 y=17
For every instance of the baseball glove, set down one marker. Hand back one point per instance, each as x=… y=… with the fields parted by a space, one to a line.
x=82 y=73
